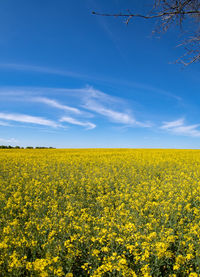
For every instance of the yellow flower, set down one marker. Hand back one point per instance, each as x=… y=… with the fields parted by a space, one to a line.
x=105 y=249
x=95 y=252
x=122 y=261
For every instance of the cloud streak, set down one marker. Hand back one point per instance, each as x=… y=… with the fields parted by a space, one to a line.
x=74 y=121
x=114 y=116
x=56 y=104
x=2 y=123
x=178 y=127
x=11 y=140
x=29 y=119
x=102 y=103
x=42 y=69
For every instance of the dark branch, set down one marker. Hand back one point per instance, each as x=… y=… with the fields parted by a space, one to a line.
x=149 y=16
x=164 y=14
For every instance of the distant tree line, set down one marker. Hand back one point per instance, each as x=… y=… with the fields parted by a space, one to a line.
x=28 y=147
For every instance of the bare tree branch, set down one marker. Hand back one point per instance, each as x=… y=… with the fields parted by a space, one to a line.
x=149 y=16
x=170 y=12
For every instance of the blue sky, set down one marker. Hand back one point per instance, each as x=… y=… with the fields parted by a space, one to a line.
x=71 y=79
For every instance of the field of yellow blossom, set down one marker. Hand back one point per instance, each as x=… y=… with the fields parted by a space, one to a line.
x=99 y=212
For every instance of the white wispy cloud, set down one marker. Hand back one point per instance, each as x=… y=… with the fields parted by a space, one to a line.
x=56 y=104
x=10 y=140
x=173 y=124
x=102 y=103
x=115 y=116
x=42 y=69
x=74 y=121
x=29 y=119
x=2 y=123
x=180 y=128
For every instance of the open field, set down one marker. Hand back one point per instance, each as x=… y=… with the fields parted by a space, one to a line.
x=102 y=212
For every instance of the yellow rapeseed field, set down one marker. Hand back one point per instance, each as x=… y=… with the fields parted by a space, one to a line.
x=100 y=212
